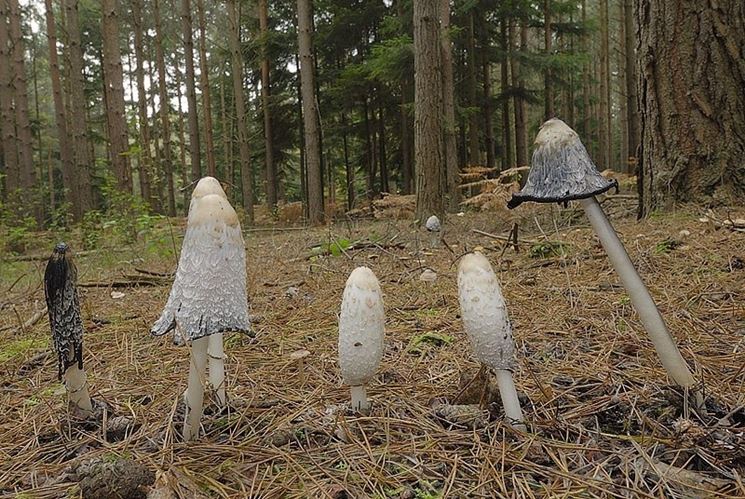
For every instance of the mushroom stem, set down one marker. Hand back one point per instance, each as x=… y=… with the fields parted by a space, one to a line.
x=359 y=399
x=194 y=396
x=667 y=350
x=434 y=239
x=510 y=402
x=216 y=370
x=77 y=390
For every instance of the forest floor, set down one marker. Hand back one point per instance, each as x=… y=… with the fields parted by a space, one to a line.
x=603 y=420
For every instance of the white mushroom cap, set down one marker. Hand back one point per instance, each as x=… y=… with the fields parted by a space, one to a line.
x=433 y=224
x=484 y=313
x=361 y=327
x=209 y=291
x=206 y=186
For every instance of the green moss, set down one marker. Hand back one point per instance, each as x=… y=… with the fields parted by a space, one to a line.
x=20 y=347
x=548 y=249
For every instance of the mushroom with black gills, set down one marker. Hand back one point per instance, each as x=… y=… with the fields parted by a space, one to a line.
x=487 y=324
x=63 y=305
x=561 y=170
x=208 y=296
x=361 y=332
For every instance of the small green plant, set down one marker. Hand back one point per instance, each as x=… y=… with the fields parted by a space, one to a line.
x=548 y=249
x=428 y=339
x=334 y=248
x=667 y=245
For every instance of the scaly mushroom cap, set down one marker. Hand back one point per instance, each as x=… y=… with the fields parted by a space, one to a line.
x=64 y=308
x=433 y=224
x=484 y=313
x=209 y=291
x=361 y=327
x=561 y=169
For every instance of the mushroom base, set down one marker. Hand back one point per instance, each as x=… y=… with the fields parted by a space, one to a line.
x=511 y=403
x=359 y=399
x=76 y=384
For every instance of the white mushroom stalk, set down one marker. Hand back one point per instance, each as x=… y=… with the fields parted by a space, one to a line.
x=361 y=333
x=67 y=327
x=208 y=297
x=562 y=170
x=487 y=324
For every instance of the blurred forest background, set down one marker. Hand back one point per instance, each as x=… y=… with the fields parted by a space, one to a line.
x=112 y=109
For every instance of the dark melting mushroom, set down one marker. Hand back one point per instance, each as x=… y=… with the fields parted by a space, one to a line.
x=67 y=327
x=562 y=171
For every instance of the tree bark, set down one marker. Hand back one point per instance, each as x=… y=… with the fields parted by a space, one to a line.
x=7 y=118
x=165 y=112
x=195 y=152
x=204 y=83
x=20 y=97
x=691 y=80
x=605 y=144
x=474 y=158
x=623 y=112
x=269 y=167
x=428 y=111
x=79 y=106
x=487 y=107
x=507 y=157
x=240 y=109
x=382 y=161
x=407 y=137
x=586 y=109
x=310 y=113
x=114 y=81
x=632 y=103
x=548 y=85
x=450 y=144
x=145 y=158
x=521 y=116
x=348 y=167
x=182 y=141
x=63 y=135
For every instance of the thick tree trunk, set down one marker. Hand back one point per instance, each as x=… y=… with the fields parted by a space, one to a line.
x=310 y=113
x=428 y=111
x=20 y=96
x=632 y=102
x=204 y=84
x=692 y=75
x=79 y=106
x=7 y=118
x=165 y=111
x=145 y=158
x=240 y=109
x=269 y=167
x=195 y=151
x=521 y=115
x=450 y=144
x=114 y=81
x=63 y=135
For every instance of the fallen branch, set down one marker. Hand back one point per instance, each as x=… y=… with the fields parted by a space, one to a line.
x=507 y=238
x=166 y=275
x=123 y=283
x=33 y=320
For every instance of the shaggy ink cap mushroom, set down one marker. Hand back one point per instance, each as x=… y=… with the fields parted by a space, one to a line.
x=561 y=169
x=433 y=224
x=209 y=291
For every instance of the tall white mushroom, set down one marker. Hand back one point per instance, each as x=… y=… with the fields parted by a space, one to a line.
x=361 y=332
x=561 y=171
x=487 y=324
x=208 y=296
x=67 y=327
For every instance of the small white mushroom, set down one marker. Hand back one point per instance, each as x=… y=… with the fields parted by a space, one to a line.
x=208 y=296
x=298 y=357
x=484 y=314
x=428 y=275
x=361 y=332
x=434 y=227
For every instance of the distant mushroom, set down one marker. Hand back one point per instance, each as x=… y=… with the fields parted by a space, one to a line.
x=434 y=227
x=361 y=331
x=67 y=327
x=298 y=357
x=561 y=171
x=487 y=324
x=208 y=297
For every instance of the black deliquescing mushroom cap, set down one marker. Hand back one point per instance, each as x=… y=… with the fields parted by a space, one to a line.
x=64 y=308
x=561 y=169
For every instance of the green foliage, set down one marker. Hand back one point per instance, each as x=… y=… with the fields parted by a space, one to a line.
x=667 y=245
x=16 y=238
x=333 y=248
x=21 y=346
x=548 y=249
x=428 y=339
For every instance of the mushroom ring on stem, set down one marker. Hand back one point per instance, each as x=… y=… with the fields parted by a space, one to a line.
x=561 y=171
x=487 y=324
x=361 y=332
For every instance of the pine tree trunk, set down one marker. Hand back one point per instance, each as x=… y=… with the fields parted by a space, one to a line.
x=603 y=159
x=269 y=167
x=195 y=152
x=507 y=157
x=7 y=117
x=623 y=153
x=240 y=109
x=310 y=113
x=632 y=103
x=429 y=164
x=204 y=84
x=114 y=81
x=473 y=118
x=63 y=136
x=521 y=117
x=348 y=168
x=369 y=152
x=407 y=138
x=145 y=158
x=692 y=75
x=20 y=96
x=381 y=147
x=548 y=109
x=450 y=144
x=488 y=125
x=586 y=112
x=165 y=111
x=182 y=142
